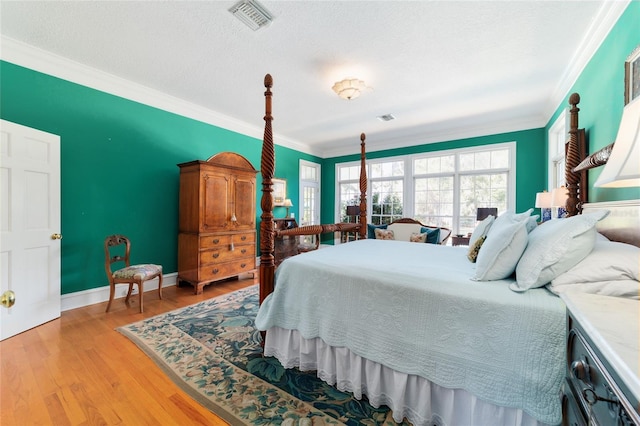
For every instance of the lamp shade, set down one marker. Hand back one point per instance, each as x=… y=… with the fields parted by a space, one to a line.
x=288 y=203
x=623 y=167
x=543 y=200
x=559 y=197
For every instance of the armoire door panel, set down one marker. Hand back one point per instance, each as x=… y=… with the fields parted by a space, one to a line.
x=216 y=212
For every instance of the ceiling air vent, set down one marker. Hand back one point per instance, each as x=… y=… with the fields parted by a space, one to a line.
x=252 y=13
x=386 y=117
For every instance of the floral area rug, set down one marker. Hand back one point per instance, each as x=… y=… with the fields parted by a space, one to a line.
x=212 y=351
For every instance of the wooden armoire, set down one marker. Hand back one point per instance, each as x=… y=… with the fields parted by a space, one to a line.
x=217 y=220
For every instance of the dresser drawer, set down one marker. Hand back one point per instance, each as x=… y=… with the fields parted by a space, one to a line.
x=225 y=254
x=598 y=396
x=227 y=269
x=222 y=240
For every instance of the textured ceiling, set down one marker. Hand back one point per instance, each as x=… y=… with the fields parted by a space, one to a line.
x=444 y=69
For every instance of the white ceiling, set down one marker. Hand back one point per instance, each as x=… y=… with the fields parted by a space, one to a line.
x=444 y=69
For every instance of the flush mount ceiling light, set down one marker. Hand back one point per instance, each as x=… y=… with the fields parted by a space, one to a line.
x=252 y=13
x=349 y=88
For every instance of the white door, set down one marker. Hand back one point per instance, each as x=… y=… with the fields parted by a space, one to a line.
x=30 y=227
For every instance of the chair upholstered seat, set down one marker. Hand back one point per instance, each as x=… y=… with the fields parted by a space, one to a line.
x=138 y=272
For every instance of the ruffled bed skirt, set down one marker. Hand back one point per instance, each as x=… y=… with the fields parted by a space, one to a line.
x=416 y=398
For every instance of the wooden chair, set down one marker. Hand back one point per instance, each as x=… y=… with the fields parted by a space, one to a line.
x=129 y=274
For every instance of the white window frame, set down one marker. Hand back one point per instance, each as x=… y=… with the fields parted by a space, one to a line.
x=408 y=183
x=309 y=183
x=557 y=138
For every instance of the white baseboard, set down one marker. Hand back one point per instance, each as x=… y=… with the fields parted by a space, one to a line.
x=84 y=298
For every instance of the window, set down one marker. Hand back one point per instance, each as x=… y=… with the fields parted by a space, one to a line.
x=557 y=138
x=442 y=188
x=309 y=196
x=386 y=183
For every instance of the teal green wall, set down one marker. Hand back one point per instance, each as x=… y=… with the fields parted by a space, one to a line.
x=530 y=158
x=601 y=90
x=118 y=167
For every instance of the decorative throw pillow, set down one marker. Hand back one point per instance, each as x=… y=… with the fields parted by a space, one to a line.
x=384 y=234
x=371 y=230
x=501 y=251
x=474 y=249
x=481 y=231
x=418 y=238
x=433 y=235
x=554 y=248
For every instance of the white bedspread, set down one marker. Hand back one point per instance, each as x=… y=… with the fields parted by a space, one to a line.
x=414 y=308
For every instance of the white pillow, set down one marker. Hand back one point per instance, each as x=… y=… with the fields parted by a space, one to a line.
x=608 y=261
x=403 y=231
x=509 y=217
x=619 y=288
x=554 y=248
x=501 y=251
x=481 y=230
x=532 y=223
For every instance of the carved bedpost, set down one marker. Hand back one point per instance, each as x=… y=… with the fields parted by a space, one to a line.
x=572 y=158
x=363 y=188
x=267 y=168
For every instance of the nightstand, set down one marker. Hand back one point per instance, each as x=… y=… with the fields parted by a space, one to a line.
x=602 y=385
x=459 y=241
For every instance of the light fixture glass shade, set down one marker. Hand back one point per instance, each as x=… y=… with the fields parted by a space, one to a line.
x=543 y=200
x=623 y=167
x=559 y=197
x=349 y=88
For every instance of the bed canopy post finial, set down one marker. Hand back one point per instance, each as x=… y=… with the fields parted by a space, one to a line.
x=572 y=158
x=363 y=188
x=267 y=167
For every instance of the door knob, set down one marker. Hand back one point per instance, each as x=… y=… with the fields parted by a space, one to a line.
x=8 y=299
x=56 y=236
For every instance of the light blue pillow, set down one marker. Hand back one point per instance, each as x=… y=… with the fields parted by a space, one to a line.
x=555 y=247
x=433 y=234
x=509 y=217
x=501 y=251
x=371 y=230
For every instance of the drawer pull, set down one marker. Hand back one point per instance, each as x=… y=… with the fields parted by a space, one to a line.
x=242 y=265
x=216 y=270
x=243 y=251
x=591 y=397
x=216 y=255
x=216 y=241
x=244 y=237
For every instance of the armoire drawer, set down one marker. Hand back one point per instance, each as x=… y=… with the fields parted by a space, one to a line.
x=227 y=269
x=225 y=240
x=224 y=254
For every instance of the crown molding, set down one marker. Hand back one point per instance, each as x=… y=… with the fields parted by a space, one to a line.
x=445 y=135
x=40 y=60
x=600 y=27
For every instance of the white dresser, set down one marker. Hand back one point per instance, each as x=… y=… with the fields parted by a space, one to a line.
x=602 y=385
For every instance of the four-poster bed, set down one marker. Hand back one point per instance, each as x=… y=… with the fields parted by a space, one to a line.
x=408 y=324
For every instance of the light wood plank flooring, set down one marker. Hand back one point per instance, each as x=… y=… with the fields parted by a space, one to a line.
x=77 y=370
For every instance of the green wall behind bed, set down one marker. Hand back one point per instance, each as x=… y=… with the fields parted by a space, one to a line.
x=119 y=169
x=601 y=90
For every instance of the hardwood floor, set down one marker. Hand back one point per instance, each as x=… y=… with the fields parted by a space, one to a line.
x=77 y=370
